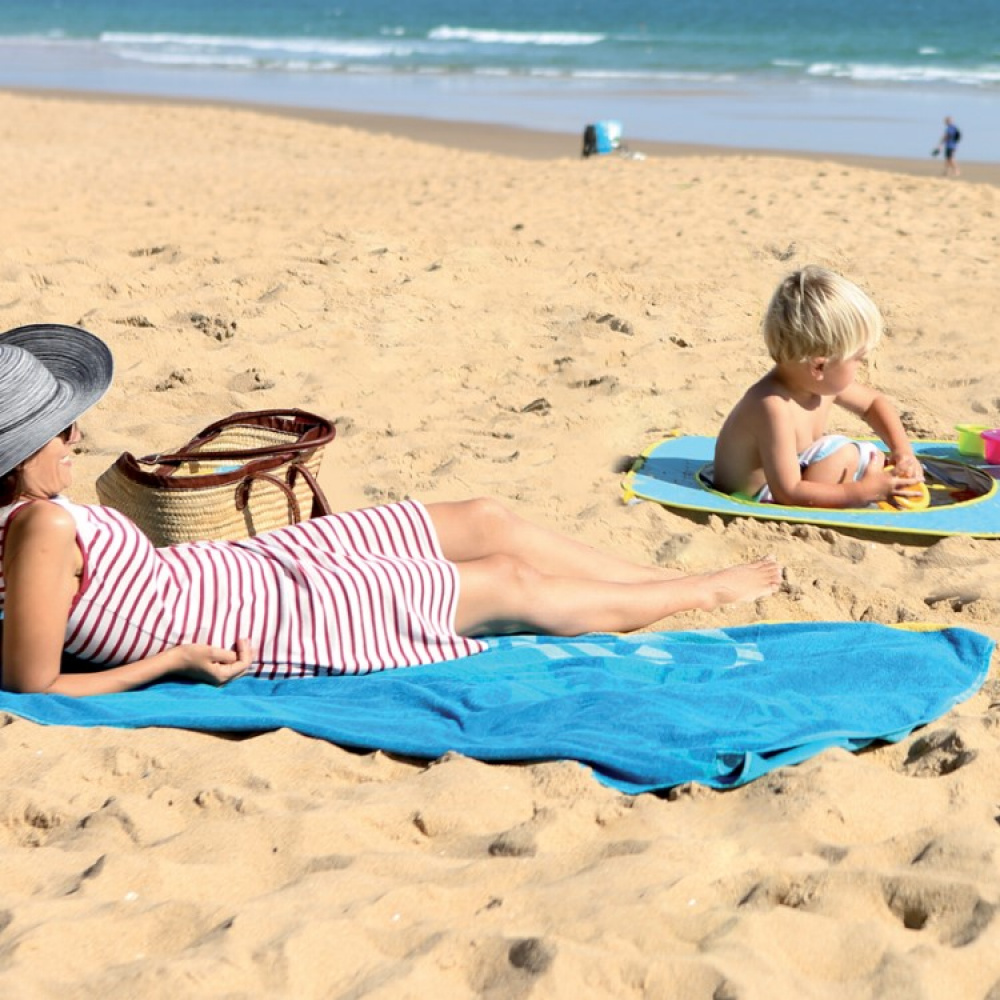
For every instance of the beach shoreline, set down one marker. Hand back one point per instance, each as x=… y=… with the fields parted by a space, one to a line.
x=513 y=141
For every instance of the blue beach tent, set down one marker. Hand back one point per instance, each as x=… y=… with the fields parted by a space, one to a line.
x=602 y=137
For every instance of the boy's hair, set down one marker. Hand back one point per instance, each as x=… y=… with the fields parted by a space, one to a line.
x=815 y=313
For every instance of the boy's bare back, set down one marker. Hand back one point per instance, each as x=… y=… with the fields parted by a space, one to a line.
x=748 y=432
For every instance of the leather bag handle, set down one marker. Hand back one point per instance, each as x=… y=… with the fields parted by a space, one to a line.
x=314 y=432
x=320 y=505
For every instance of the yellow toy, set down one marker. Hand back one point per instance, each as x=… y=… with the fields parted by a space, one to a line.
x=920 y=500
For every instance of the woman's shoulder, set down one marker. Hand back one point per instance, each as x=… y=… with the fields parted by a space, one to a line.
x=36 y=523
x=53 y=513
x=56 y=513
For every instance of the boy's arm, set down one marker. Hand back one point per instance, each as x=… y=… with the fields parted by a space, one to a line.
x=775 y=435
x=780 y=461
x=881 y=416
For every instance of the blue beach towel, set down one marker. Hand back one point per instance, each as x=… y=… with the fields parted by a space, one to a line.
x=645 y=711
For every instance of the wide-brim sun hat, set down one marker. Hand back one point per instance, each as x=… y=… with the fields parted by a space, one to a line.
x=49 y=376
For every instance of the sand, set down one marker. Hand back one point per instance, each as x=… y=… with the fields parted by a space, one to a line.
x=425 y=296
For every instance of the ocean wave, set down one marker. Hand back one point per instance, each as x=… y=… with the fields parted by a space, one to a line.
x=653 y=76
x=490 y=36
x=603 y=75
x=193 y=59
x=177 y=44
x=869 y=73
x=456 y=51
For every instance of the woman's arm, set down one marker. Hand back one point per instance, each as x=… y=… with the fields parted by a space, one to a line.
x=41 y=564
x=208 y=664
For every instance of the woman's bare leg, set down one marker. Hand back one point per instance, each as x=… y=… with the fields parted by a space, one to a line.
x=500 y=594
x=477 y=529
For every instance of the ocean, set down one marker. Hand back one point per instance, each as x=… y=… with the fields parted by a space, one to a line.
x=861 y=76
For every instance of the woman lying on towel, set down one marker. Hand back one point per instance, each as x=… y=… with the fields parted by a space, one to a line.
x=389 y=586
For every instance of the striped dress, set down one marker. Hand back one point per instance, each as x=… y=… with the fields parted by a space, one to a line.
x=345 y=594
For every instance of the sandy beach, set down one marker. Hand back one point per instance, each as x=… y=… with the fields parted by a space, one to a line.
x=427 y=285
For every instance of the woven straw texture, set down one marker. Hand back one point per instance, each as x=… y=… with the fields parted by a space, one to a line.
x=208 y=511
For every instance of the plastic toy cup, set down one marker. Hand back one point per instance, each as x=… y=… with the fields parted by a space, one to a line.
x=991 y=449
x=970 y=440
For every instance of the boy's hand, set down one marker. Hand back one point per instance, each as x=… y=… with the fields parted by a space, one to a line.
x=905 y=464
x=881 y=482
x=911 y=497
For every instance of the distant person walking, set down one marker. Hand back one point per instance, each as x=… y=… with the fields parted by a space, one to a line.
x=949 y=143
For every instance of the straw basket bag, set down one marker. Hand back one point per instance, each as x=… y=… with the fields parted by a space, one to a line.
x=243 y=475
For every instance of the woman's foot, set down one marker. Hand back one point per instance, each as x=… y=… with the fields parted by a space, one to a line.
x=740 y=583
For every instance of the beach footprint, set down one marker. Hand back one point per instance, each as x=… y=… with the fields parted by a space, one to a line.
x=252 y=380
x=937 y=754
x=509 y=969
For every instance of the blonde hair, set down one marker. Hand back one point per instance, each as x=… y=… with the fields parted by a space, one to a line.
x=815 y=313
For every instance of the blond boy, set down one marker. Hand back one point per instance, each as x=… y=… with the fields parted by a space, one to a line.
x=774 y=447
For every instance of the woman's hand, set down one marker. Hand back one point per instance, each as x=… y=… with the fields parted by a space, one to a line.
x=213 y=664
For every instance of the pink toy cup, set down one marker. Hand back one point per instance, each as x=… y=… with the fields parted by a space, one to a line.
x=991 y=446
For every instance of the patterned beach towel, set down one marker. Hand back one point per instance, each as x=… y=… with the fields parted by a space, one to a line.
x=644 y=711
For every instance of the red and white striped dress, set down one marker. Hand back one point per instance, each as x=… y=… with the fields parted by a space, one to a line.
x=345 y=594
